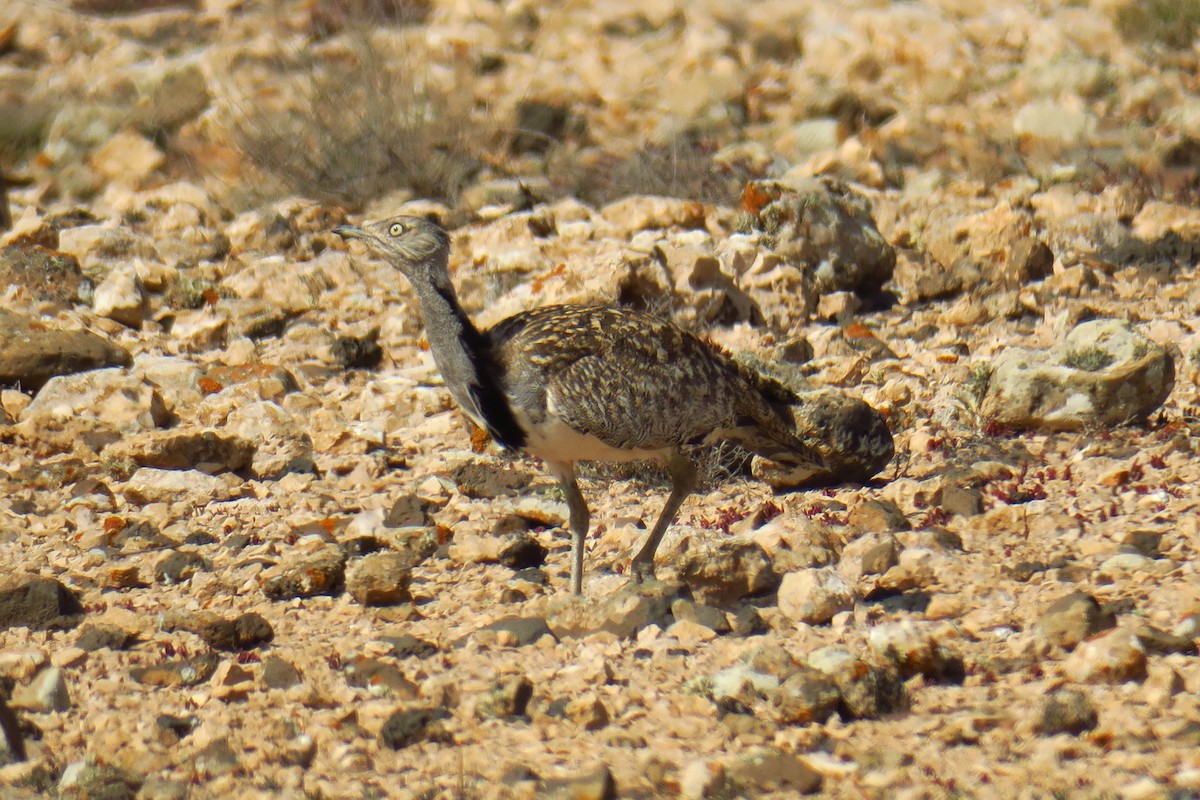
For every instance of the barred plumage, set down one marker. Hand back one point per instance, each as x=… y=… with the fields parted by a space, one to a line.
x=573 y=383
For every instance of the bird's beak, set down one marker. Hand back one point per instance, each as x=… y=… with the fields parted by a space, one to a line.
x=350 y=232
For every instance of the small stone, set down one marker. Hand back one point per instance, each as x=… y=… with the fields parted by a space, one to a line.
x=523 y=630
x=521 y=551
x=748 y=622
x=705 y=780
x=380 y=579
x=322 y=573
x=919 y=649
x=771 y=770
x=183 y=449
x=189 y=486
x=814 y=596
x=595 y=784
x=37 y=603
x=1028 y=259
x=1066 y=711
x=179 y=566
x=588 y=712
x=409 y=726
x=962 y=501
x=712 y=618
x=409 y=646
x=723 y=571
x=868 y=691
x=878 y=516
x=186 y=672
x=1071 y=619
x=1158 y=642
x=173 y=729
x=283 y=446
x=409 y=511
x=807 y=696
x=121 y=297
x=380 y=677
x=217 y=758
x=870 y=554
x=622 y=613
x=1113 y=657
x=507 y=699
x=100 y=635
x=278 y=673
x=84 y=780
x=46 y=692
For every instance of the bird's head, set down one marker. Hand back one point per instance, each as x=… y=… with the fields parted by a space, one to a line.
x=408 y=243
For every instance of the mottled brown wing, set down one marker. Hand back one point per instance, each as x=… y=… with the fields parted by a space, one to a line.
x=631 y=380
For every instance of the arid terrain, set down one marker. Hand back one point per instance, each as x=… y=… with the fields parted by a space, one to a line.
x=250 y=549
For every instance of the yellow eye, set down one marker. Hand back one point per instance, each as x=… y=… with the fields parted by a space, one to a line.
x=396 y=229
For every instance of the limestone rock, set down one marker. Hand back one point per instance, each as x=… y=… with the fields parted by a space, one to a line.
x=823 y=228
x=182 y=448
x=814 y=596
x=725 y=570
x=30 y=355
x=1103 y=374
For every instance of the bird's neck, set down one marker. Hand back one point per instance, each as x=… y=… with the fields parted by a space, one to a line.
x=464 y=358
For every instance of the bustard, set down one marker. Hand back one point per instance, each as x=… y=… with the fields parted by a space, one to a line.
x=570 y=383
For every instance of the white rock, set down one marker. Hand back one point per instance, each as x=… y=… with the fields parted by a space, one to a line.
x=1112 y=657
x=149 y=485
x=814 y=596
x=121 y=296
x=112 y=396
x=46 y=692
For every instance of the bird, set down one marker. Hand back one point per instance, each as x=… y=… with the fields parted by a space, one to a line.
x=571 y=383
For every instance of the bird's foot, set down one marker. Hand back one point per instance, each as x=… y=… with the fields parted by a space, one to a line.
x=642 y=571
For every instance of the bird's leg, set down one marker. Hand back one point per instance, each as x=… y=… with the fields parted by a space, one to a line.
x=683 y=482
x=579 y=519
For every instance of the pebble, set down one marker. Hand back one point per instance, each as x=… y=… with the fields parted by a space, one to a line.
x=37 y=603
x=877 y=516
x=704 y=779
x=279 y=673
x=216 y=758
x=179 y=566
x=814 y=596
x=868 y=691
x=593 y=784
x=772 y=770
x=1066 y=711
x=622 y=613
x=928 y=649
x=189 y=486
x=723 y=571
x=588 y=712
x=322 y=573
x=507 y=699
x=1071 y=619
x=282 y=444
x=31 y=356
x=12 y=741
x=712 y=618
x=807 y=696
x=246 y=632
x=520 y=551
x=87 y=780
x=98 y=636
x=182 y=448
x=407 y=727
x=380 y=579
x=1113 y=657
x=46 y=692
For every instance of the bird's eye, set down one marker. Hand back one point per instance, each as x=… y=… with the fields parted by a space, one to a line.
x=396 y=229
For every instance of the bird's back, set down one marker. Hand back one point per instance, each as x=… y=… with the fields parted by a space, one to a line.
x=631 y=380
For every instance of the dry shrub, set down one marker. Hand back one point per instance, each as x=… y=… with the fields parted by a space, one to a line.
x=360 y=114
x=684 y=167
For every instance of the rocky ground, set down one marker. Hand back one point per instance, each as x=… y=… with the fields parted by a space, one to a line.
x=250 y=549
